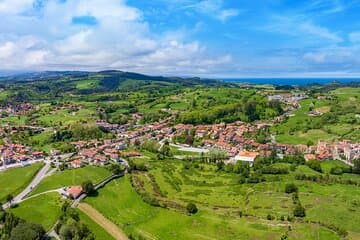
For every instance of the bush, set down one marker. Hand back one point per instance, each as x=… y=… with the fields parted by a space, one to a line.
x=299 y=211
x=191 y=208
x=315 y=165
x=242 y=180
x=336 y=171
x=291 y=188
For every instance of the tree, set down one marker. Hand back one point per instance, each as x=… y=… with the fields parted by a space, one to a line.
x=27 y=231
x=166 y=150
x=315 y=165
x=66 y=232
x=356 y=168
x=88 y=187
x=189 y=140
x=116 y=169
x=299 y=211
x=9 y=198
x=291 y=188
x=191 y=208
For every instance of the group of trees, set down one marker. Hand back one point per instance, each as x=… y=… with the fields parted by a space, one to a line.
x=75 y=132
x=315 y=165
x=14 y=228
x=299 y=210
x=244 y=110
x=70 y=227
x=327 y=179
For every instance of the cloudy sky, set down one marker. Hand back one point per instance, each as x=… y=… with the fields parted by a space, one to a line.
x=222 y=38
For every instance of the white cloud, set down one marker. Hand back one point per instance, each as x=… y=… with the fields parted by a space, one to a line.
x=354 y=37
x=14 y=6
x=228 y=13
x=300 y=26
x=322 y=32
x=6 y=50
x=121 y=39
x=215 y=9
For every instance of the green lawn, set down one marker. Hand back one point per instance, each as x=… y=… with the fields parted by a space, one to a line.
x=43 y=209
x=12 y=181
x=72 y=177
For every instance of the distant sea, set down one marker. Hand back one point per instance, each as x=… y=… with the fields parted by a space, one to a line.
x=290 y=81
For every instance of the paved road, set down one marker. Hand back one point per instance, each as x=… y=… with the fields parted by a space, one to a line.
x=39 y=176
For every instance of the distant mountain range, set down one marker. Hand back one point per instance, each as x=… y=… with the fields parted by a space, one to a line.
x=113 y=74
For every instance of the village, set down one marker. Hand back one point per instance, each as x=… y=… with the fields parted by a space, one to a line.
x=236 y=139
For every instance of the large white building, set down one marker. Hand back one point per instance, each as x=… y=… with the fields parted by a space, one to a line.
x=245 y=156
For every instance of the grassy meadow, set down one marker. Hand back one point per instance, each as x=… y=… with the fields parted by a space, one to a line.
x=338 y=120
x=220 y=200
x=43 y=209
x=71 y=177
x=13 y=181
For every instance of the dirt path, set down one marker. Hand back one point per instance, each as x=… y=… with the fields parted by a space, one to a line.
x=97 y=217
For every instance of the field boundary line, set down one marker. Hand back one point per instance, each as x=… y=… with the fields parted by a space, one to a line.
x=103 y=222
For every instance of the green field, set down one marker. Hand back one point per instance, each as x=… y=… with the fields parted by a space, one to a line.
x=338 y=121
x=71 y=177
x=138 y=218
x=43 y=209
x=220 y=198
x=12 y=181
x=98 y=231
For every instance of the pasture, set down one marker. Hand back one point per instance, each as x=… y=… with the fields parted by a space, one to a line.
x=71 y=177
x=13 y=181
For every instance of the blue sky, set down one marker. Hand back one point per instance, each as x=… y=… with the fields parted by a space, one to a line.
x=213 y=38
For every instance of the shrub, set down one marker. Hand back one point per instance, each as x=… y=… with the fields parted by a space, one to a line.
x=315 y=165
x=191 y=208
x=299 y=211
x=336 y=171
x=242 y=180
x=291 y=188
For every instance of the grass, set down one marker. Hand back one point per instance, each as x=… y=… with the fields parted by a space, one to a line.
x=327 y=165
x=87 y=84
x=218 y=193
x=65 y=117
x=138 y=218
x=13 y=181
x=72 y=177
x=300 y=128
x=43 y=209
x=98 y=231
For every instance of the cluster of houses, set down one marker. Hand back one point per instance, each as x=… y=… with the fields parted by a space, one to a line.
x=100 y=153
x=343 y=150
x=17 y=109
x=11 y=153
x=234 y=139
x=288 y=97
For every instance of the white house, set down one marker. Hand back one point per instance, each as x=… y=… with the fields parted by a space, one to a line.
x=245 y=156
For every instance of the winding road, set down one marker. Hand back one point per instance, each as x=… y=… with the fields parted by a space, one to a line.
x=39 y=176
